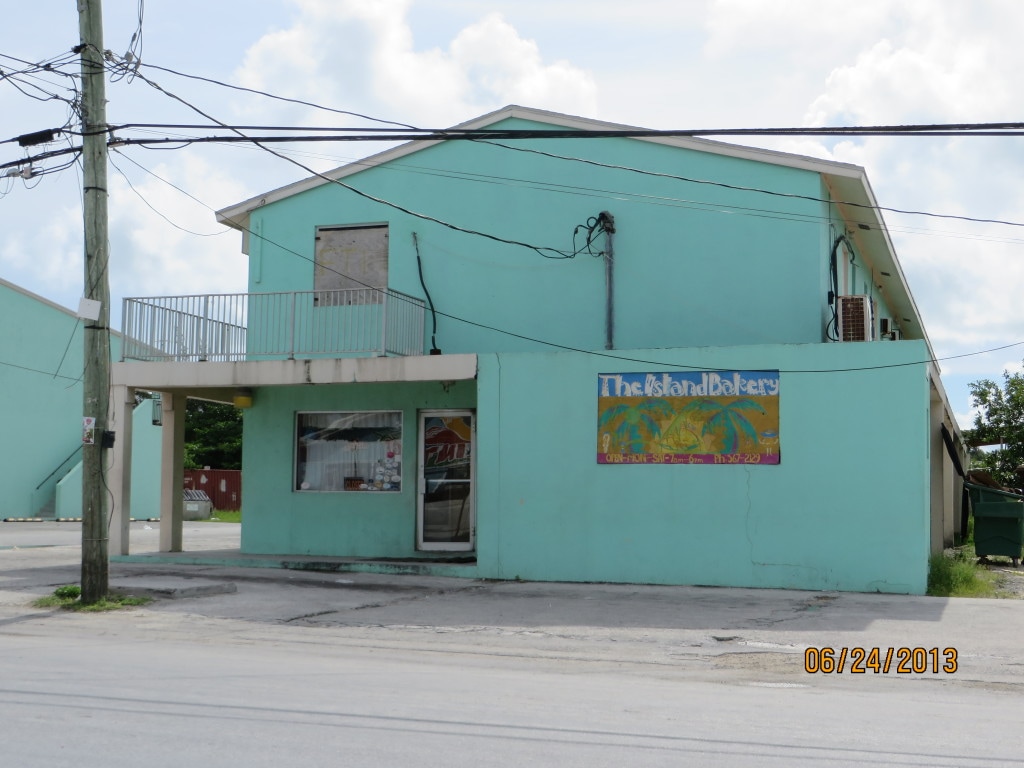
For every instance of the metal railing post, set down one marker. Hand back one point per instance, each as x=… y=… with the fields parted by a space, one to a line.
x=291 y=331
x=384 y=323
x=126 y=326
x=204 y=330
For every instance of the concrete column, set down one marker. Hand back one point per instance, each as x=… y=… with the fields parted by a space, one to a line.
x=172 y=471
x=951 y=506
x=119 y=478
x=937 y=484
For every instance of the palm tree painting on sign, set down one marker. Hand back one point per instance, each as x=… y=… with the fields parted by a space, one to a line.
x=725 y=422
x=630 y=427
x=694 y=430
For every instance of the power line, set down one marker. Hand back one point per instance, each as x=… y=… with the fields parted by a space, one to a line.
x=275 y=97
x=468 y=134
x=478 y=134
x=485 y=137
x=36 y=370
x=591 y=191
x=758 y=190
x=473 y=135
x=545 y=251
x=158 y=212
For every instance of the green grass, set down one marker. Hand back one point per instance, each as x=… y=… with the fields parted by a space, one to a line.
x=956 y=573
x=69 y=596
x=226 y=516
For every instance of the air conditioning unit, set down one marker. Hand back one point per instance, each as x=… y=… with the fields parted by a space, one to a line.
x=856 y=316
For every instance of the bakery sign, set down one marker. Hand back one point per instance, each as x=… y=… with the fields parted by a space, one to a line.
x=691 y=417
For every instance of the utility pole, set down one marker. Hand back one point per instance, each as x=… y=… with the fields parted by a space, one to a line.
x=96 y=381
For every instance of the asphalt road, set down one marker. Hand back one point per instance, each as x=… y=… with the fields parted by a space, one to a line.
x=254 y=667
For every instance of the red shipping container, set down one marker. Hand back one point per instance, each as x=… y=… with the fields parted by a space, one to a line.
x=223 y=486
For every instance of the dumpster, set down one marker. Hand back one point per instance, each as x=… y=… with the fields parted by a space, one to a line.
x=998 y=522
x=197 y=505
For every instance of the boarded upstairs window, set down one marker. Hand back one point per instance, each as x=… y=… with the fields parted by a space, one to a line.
x=349 y=258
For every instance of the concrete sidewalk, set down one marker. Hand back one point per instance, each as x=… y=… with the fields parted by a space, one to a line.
x=706 y=630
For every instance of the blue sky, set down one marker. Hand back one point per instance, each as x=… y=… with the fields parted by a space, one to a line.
x=653 y=63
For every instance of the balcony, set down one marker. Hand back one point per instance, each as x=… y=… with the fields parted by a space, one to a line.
x=365 y=322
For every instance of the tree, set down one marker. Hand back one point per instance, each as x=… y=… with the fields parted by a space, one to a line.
x=998 y=421
x=213 y=436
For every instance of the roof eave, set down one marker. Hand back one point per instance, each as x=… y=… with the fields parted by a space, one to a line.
x=857 y=203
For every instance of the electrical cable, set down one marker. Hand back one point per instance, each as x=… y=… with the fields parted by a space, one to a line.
x=430 y=302
x=661 y=200
x=158 y=212
x=278 y=98
x=181 y=142
x=544 y=251
x=258 y=140
x=832 y=327
x=36 y=370
x=132 y=58
x=740 y=188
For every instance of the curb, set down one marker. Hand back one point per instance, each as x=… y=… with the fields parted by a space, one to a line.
x=68 y=520
x=175 y=593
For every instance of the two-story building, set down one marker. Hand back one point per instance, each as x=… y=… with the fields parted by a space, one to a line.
x=622 y=359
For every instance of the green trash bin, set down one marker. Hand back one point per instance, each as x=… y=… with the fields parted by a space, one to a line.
x=998 y=522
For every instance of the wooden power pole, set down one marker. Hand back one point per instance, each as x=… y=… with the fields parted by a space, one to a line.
x=96 y=382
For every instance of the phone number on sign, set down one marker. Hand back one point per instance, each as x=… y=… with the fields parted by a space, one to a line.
x=860 y=661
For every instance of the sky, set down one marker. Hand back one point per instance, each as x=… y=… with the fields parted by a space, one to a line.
x=666 y=64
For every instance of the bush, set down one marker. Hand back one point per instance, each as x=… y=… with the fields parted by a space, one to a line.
x=955 y=574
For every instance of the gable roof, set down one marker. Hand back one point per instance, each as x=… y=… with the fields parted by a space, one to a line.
x=237 y=215
x=847 y=183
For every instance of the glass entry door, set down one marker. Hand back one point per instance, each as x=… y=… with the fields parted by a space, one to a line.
x=445 y=517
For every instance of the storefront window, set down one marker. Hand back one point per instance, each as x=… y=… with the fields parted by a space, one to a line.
x=349 y=451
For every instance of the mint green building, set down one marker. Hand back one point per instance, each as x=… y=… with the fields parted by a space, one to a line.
x=40 y=377
x=611 y=358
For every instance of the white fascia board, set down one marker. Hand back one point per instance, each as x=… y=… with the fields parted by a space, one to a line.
x=165 y=376
x=46 y=302
x=237 y=215
x=36 y=297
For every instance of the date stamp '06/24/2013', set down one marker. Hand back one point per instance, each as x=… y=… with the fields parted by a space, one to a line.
x=860 y=661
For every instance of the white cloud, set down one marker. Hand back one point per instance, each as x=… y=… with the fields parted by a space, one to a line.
x=152 y=254
x=47 y=260
x=501 y=64
x=796 y=29
x=348 y=52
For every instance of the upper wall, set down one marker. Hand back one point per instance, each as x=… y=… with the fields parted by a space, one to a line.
x=695 y=264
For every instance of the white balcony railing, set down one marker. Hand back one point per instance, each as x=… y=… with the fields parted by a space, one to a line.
x=268 y=326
